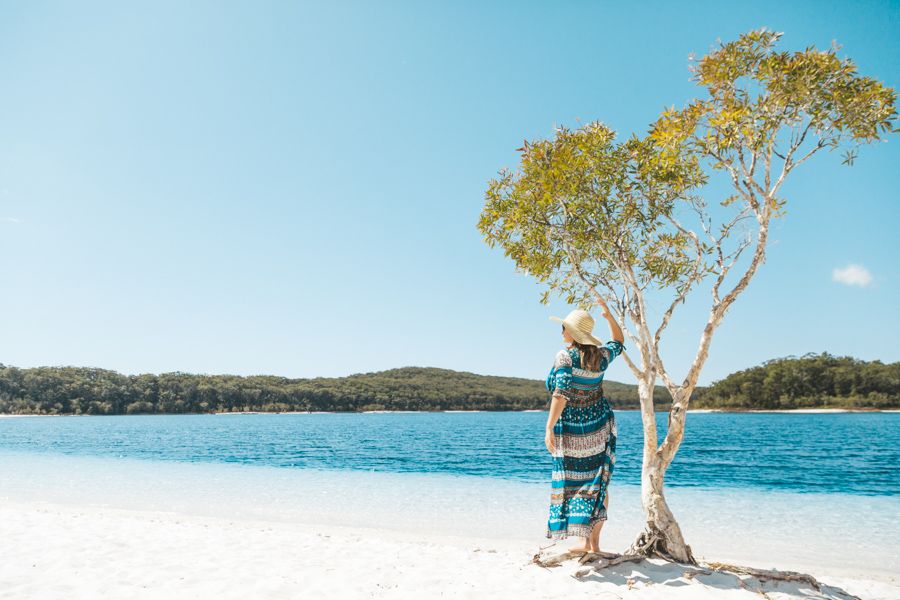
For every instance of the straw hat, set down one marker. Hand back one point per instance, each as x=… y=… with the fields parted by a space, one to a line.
x=579 y=324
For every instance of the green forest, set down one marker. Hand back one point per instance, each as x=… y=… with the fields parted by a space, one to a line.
x=810 y=381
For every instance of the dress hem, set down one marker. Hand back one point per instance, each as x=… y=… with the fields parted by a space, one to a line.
x=575 y=530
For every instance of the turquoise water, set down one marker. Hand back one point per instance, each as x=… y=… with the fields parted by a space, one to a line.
x=808 y=492
x=848 y=453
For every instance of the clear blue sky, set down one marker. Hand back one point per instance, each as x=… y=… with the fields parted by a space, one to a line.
x=292 y=188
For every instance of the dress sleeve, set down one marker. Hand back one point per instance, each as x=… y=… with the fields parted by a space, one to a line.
x=560 y=377
x=608 y=353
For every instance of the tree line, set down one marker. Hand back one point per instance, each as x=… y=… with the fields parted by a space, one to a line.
x=92 y=391
x=810 y=381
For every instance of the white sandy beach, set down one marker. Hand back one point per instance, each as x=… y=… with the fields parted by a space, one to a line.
x=58 y=551
x=80 y=527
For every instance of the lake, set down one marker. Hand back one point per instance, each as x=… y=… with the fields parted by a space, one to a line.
x=851 y=453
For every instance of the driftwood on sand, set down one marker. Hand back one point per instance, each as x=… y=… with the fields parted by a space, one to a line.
x=599 y=560
x=595 y=562
x=766 y=574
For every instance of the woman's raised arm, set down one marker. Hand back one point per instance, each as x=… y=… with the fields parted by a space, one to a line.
x=614 y=329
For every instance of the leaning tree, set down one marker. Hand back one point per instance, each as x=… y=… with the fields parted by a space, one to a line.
x=594 y=218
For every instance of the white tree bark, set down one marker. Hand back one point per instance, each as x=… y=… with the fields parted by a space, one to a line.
x=661 y=535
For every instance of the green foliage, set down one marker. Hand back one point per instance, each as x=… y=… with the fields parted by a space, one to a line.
x=72 y=390
x=582 y=202
x=812 y=381
x=782 y=383
x=584 y=210
x=757 y=95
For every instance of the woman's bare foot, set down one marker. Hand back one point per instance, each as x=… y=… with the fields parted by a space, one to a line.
x=582 y=547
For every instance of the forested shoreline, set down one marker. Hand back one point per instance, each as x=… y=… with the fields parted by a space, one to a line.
x=812 y=381
x=76 y=390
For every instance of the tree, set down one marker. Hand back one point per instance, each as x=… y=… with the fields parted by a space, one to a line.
x=585 y=214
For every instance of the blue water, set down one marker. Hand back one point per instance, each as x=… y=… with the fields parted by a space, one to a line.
x=852 y=453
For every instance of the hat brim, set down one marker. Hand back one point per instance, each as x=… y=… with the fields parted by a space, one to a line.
x=578 y=335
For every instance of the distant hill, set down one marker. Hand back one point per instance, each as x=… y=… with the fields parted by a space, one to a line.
x=812 y=381
x=78 y=390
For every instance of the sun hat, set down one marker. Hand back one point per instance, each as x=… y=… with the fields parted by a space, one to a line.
x=579 y=324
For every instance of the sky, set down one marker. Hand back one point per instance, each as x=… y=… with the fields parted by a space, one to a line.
x=292 y=188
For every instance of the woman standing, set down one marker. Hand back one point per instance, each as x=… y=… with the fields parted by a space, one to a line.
x=581 y=430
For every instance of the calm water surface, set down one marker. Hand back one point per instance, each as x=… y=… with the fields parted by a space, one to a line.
x=854 y=453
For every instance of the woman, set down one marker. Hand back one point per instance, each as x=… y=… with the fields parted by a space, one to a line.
x=581 y=430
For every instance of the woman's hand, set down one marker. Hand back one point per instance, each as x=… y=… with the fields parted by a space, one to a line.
x=602 y=304
x=614 y=328
x=550 y=440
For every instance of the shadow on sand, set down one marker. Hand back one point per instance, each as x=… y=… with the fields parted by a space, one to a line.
x=638 y=572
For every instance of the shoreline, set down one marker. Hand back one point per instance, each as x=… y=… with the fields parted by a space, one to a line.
x=342 y=412
x=110 y=527
x=796 y=410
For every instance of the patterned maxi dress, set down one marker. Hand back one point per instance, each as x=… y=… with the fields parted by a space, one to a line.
x=585 y=435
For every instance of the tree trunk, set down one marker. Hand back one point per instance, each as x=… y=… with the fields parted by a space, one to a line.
x=661 y=535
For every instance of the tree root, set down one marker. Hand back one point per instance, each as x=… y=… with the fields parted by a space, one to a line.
x=602 y=560
x=652 y=544
x=766 y=574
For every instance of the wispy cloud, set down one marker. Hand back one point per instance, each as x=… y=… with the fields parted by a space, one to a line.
x=11 y=220
x=852 y=275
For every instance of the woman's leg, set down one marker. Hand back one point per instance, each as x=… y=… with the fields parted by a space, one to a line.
x=591 y=543
x=594 y=541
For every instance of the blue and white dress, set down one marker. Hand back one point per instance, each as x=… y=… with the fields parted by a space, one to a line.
x=585 y=435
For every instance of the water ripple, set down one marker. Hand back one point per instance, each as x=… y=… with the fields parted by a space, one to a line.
x=850 y=452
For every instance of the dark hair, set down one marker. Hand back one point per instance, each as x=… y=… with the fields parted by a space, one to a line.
x=590 y=356
x=589 y=353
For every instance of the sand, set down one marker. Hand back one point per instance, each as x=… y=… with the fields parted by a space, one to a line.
x=51 y=550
